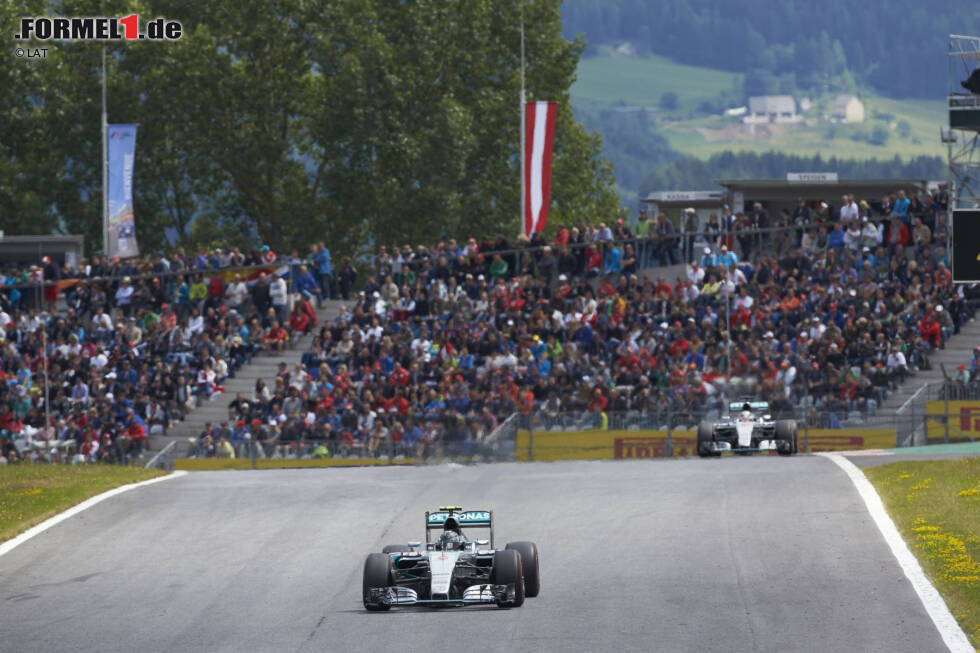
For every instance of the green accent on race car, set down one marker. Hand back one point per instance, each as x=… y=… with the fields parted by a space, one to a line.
x=467 y=518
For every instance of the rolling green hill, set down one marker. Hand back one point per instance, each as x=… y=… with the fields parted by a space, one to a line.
x=621 y=96
x=613 y=80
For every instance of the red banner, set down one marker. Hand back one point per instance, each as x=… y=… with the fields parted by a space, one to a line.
x=539 y=126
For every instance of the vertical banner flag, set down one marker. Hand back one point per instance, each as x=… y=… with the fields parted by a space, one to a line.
x=121 y=227
x=539 y=119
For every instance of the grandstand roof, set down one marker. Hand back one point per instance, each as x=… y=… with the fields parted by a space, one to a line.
x=781 y=189
x=30 y=249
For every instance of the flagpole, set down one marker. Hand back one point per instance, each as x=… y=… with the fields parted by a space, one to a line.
x=105 y=164
x=523 y=128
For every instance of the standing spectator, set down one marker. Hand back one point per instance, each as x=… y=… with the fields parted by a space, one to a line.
x=759 y=220
x=901 y=208
x=642 y=236
x=321 y=261
x=690 y=225
x=848 y=209
x=236 y=293
x=667 y=240
x=124 y=296
x=279 y=295
x=346 y=277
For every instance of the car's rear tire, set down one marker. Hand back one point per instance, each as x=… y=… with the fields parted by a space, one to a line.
x=377 y=573
x=705 y=438
x=529 y=566
x=507 y=570
x=786 y=437
x=396 y=548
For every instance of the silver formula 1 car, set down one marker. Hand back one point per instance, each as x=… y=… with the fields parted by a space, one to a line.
x=748 y=428
x=451 y=570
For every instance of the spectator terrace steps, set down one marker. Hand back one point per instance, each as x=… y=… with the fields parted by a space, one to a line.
x=263 y=365
x=958 y=350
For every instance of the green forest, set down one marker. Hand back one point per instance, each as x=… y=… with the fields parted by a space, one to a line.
x=898 y=47
x=657 y=76
x=295 y=121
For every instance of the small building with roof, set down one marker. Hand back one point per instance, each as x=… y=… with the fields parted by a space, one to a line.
x=848 y=108
x=780 y=109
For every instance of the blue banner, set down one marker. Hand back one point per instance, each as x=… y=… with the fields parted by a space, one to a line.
x=120 y=221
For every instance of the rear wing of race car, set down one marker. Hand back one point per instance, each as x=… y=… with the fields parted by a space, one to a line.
x=466 y=518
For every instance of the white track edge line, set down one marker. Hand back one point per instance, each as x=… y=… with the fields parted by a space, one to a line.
x=10 y=545
x=953 y=636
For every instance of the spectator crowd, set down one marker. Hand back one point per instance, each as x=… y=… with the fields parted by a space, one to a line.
x=135 y=344
x=822 y=310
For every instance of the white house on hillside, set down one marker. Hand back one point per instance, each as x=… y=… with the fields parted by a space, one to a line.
x=848 y=108
x=772 y=108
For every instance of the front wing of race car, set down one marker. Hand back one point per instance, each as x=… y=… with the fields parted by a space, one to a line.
x=472 y=595
x=718 y=446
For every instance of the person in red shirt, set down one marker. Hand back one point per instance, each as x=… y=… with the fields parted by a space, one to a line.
x=598 y=402
x=931 y=331
x=276 y=338
x=741 y=319
x=137 y=435
x=299 y=321
x=561 y=238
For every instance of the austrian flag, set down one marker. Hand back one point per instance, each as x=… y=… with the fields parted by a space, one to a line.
x=538 y=143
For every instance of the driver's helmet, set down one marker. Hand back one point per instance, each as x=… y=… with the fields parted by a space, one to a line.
x=452 y=524
x=448 y=541
x=746 y=410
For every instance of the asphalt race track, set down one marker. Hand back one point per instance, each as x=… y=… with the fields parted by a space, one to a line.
x=737 y=554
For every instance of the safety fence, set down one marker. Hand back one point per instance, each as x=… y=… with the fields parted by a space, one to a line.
x=938 y=413
x=655 y=434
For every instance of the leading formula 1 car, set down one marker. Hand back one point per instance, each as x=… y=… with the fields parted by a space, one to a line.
x=748 y=428
x=452 y=570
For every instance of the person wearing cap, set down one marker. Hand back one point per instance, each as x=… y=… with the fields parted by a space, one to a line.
x=708 y=259
x=726 y=258
x=871 y=234
x=124 y=296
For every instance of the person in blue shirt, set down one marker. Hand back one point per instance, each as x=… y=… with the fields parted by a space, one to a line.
x=901 y=208
x=835 y=240
x=537 y=347
x=727 y=257
x=306 y=285
x=321 y=260
x=709 y=260
x=612 y=258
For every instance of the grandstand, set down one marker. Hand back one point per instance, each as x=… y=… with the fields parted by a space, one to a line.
x=836 y=315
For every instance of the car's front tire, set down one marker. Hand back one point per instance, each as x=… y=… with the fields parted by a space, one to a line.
x=507 y=570
x=786 y=437
x=377 y=573
x=705 y=438
x=529 y=566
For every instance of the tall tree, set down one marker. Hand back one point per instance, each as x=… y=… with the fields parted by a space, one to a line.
x=293 y=120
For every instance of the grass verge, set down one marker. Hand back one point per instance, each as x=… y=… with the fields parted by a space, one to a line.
x=29 y=494
x=936 y=506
